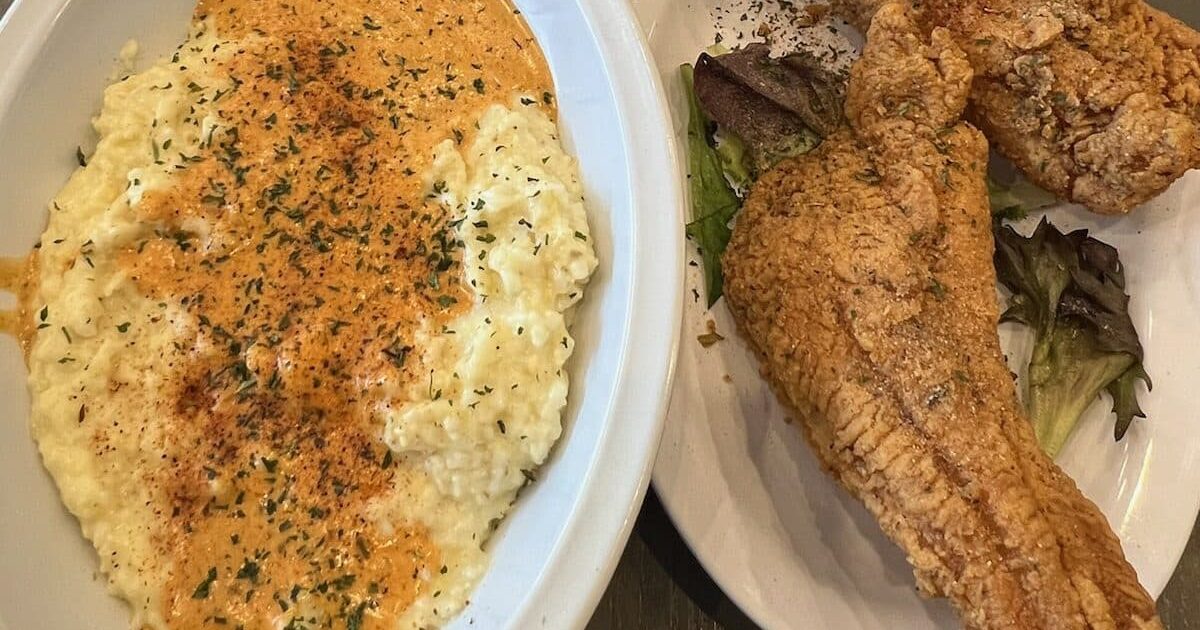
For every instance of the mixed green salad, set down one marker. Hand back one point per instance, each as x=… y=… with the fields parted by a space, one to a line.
x=1070 y=290
x=746 y=112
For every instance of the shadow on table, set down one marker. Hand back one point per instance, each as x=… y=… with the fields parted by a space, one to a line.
x=660 y=584
x=672 y=553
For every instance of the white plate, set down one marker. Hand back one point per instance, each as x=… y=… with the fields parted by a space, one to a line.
x=553 y=558
x=795 y=551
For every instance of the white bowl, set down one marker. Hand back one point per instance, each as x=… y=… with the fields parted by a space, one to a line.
x=554 y=556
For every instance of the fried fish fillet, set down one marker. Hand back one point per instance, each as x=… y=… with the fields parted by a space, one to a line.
x=1097 y=101
x=862 y=274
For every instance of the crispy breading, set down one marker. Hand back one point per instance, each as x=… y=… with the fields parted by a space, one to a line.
x=862 y=274
x=1097 y=101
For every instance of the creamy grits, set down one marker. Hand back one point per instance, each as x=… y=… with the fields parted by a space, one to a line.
x=297 y=330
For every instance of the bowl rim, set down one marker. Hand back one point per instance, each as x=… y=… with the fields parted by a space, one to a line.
x=615 y=485
x=621 y=474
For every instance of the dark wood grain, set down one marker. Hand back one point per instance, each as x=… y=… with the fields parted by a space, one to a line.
x=1179 y=604
x=659 y=583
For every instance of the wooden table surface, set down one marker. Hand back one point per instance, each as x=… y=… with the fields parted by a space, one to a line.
x=660 y=584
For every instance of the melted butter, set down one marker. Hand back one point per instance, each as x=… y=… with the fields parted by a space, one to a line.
x=308 y=249
x=17 y=277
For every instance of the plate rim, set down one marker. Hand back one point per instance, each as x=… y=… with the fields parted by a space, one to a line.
x=729 y=578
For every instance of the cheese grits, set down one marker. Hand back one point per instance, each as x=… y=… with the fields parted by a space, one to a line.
x=297 y=328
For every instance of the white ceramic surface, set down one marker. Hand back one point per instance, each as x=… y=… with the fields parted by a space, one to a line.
x=555 y=554
x=792 y=549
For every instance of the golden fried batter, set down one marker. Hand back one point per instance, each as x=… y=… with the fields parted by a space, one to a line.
x=862 y=273
x=1097 y=101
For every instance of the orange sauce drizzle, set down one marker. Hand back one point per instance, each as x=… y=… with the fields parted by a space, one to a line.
x=17 y=276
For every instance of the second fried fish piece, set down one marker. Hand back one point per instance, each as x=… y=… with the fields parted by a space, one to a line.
x=1097 y=101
